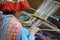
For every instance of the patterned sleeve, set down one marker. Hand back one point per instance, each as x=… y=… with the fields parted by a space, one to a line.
x=25 y=35
x=13 y=29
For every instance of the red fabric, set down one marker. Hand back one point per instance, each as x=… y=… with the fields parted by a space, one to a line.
x=8 y=6
x=17 y=6
x=24 y=5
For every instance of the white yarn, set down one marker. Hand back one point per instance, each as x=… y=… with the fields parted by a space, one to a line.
x=9 y=0
x=20 y=0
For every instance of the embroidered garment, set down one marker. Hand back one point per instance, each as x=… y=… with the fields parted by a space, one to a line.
x=13 y=30
x=43 y=36
x=25 y=35
x=5 y=25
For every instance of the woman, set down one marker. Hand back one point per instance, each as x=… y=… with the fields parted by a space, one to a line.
x=12 y=28
x=15 y=31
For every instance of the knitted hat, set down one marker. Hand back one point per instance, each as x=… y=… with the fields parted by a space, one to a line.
x=15 y=6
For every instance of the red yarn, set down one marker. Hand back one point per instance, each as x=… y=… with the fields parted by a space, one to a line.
x=24 y=5
x=8 y=6
x=17 y=6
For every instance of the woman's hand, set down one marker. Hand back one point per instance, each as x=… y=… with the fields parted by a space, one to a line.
x=34 y=30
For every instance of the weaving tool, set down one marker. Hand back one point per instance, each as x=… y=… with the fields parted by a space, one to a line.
x=45 y=11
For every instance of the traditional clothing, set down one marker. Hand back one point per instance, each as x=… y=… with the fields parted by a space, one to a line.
x=13 y=30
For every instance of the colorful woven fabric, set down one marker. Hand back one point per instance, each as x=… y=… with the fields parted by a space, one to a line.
x=43 y=37
x=25 y=35
x=5 y=25
x=16 y=30
x=9 y=31
x=13 y=29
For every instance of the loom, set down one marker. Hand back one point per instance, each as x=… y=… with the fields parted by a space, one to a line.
x=46 y=9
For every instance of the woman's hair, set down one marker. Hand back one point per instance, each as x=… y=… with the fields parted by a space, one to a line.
x=7 y=12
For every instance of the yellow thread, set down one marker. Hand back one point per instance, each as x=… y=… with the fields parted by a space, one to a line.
x=35 y=15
